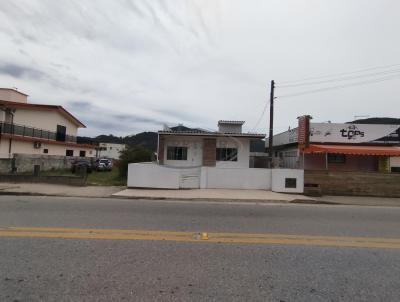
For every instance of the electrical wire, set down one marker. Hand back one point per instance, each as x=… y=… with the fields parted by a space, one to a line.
x=395 y=71
x=340 y=74
x=261 y=117
x=339 y=86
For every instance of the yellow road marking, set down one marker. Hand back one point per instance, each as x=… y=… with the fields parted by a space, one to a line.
x=238 y=238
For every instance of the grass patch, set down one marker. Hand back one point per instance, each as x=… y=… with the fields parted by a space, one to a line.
x=106 y=178
x=96 y=178
x=61 y=172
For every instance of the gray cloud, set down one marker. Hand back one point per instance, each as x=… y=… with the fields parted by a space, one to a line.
x=19 y=71
x=138 y=64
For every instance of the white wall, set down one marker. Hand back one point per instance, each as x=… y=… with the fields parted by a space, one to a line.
x=47 y=120
x=194 y=153
x=24 y=147
x=243 y=146
x=150 y=175
x=279 y=176
x=111 y=150
x=235 y=178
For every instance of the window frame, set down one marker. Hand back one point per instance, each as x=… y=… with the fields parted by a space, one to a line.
x=227 y=154
x=177 y=153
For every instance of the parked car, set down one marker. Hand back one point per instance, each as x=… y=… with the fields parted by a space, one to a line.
x=104 y=164
x=78 y=163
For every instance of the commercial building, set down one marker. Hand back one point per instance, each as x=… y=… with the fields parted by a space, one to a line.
x=342 y=158
x=339 y=147
x=37 y=129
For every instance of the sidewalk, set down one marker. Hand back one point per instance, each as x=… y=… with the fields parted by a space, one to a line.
x=57 y=190
x=214 y=195
x=217 y=195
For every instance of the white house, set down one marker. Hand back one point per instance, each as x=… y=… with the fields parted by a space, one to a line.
x=208 y=159
x=228 y=147
x=110 y=150
x=27 y=128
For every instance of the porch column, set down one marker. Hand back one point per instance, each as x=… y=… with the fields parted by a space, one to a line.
x=209 y=152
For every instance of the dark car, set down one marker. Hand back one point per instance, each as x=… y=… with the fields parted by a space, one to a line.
x=80 y=163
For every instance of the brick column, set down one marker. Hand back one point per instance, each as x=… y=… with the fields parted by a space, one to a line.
x=209 y=152
x=160 y=155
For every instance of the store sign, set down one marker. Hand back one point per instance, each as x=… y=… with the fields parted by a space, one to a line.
x=354 y=133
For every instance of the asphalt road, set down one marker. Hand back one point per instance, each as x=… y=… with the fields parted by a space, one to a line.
x=35 y=267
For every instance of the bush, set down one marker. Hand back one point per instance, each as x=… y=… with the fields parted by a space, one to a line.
x=132 y=154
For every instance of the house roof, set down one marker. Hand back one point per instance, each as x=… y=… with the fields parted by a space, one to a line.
x=40 y=107
x=230 y=122
x=209 y=133
x=354 y=150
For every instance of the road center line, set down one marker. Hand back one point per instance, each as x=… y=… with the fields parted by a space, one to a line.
x=223 y=238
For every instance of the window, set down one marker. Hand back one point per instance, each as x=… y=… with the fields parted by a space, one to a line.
x=69 y=152
x=336 y=158
x=226 y=154
x=395 y=169
x=290 y=183
x=82 y=153
x=177 y=153
x=61 y=133
x=45 y=150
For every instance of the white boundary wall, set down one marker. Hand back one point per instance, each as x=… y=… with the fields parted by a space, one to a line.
x=150 y=175
x=279 y=177
x=235 y=178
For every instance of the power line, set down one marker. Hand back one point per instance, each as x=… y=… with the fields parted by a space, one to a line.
x=261 y=116
x=340 y=74
x=339 y=86
x=341 y=79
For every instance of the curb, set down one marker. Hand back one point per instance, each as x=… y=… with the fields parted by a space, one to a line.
x=272 y=201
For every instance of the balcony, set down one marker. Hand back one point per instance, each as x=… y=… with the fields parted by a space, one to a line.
x=26 y=131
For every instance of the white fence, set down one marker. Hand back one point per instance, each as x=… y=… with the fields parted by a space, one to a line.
x=150 y=175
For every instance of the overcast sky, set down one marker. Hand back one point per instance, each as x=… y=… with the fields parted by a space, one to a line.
x=128 y=66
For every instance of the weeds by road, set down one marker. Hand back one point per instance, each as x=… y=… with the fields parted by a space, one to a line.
x=96 y=178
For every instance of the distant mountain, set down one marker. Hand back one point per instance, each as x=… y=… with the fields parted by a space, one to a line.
x=149 y=139
x=145 y=139
x=378 y=120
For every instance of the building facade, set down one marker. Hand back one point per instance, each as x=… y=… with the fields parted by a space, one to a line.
x=195 y=158
x=228 y=147
x=339 y=147
x=37 y=129
x=110 y=150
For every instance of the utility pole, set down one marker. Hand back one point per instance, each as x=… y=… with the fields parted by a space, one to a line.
x=271 y=122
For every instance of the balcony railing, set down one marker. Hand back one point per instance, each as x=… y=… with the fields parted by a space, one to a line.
x=27 y=131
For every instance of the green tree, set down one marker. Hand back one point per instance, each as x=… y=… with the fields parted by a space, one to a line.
x=132 y=154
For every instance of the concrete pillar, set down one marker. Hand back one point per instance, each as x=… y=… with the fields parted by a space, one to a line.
x=209 y=152
x=160 y=154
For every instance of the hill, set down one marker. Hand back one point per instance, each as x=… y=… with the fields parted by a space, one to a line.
x=145 y=139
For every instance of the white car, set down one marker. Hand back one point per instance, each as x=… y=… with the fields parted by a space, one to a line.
x=104 y=164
